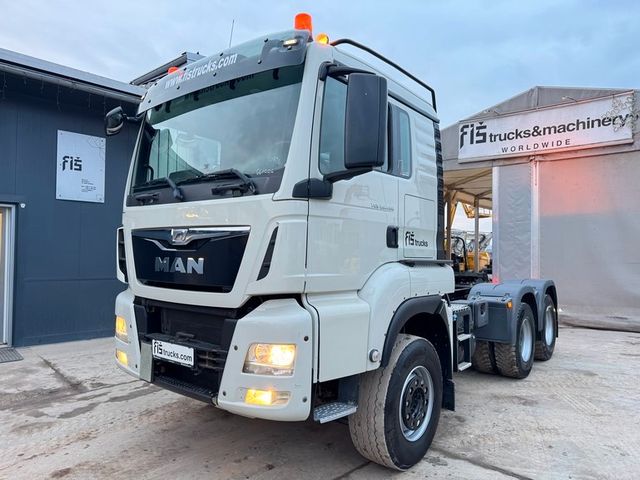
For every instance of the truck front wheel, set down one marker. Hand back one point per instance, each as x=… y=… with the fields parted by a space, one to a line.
x=399 y=405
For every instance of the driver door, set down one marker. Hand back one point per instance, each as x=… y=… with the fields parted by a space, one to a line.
x=347 y=233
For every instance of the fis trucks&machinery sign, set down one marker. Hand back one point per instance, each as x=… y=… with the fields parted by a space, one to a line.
x=586 y=124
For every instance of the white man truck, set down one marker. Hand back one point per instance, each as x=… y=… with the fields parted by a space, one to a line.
x=282 y=243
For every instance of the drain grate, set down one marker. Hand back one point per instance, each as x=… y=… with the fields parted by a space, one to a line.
x=8 y=354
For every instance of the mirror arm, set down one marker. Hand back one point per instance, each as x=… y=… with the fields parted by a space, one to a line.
x=346 y=174
x=328 y=69
x=135 y=119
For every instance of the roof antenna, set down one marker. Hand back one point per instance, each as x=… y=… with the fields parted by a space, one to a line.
x=231 y=34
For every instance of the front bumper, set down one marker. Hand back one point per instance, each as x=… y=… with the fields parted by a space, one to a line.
x=275 y=321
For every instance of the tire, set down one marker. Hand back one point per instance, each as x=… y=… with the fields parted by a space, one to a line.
x=483 y=359
x=516 y=360
x=379 y=430
x=547 y=342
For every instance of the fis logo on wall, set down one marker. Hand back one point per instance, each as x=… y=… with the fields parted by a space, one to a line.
x=602 y=121
x=80 y=167
x=213 y=65
x=69 y=162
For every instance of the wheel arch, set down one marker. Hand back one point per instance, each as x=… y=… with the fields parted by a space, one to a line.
x=530 y=299
x=551 y=291
x=425 y=317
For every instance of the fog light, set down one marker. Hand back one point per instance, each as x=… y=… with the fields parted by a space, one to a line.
x=270 y=359
x=266 y=397
x=122 y=357
x=121 y=329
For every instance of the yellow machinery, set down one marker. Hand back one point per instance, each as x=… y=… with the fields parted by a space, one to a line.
x=483 y=261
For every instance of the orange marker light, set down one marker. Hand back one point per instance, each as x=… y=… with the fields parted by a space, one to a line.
x=322 y=38
x=303 y=22
x=172 y=70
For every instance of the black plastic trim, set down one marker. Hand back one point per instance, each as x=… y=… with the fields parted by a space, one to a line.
x=122 y=259
x=328 y=69
x=346 y=174
x=313 y=188
x=440 y=178
x=431 y=304
x=185 y=388
x=266 y=261
x=392 y=237
x=412 y=262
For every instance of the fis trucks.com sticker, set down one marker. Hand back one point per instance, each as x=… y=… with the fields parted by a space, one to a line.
x=213 y=65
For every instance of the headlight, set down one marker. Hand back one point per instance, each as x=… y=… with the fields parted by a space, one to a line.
x=121 y=329
x=270 y=359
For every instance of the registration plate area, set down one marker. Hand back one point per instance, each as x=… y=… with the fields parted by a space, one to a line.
x=174 y=353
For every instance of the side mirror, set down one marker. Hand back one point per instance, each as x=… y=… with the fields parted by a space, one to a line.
x=113 y=121
x=365 y=139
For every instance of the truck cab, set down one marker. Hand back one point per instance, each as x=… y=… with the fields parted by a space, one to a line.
x=282 y=242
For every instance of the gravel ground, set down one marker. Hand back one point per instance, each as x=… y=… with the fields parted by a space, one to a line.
x=67 y=412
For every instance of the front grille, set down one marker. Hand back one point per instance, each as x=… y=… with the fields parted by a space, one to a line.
x=198 y=259
x=205 y=329
x=211 y=360
x=208 y=330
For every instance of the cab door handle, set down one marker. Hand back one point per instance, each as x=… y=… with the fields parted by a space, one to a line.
x=392 y=237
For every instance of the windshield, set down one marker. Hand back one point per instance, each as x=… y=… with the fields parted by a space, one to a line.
x=244 y=125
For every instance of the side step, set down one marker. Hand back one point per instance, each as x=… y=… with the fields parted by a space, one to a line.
x=463 y=366
x=463 y=328
x=333 y=411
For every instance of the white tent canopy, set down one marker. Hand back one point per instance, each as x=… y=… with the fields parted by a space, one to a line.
x=571 y=215
x=465 y=185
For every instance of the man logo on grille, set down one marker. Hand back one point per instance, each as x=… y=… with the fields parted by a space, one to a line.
x=179 y=265
x=179 y=236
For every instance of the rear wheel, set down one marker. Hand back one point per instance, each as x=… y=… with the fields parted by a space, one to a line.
x=547 y=342
x=483 y=358
x=399 y=405
x=516 y=360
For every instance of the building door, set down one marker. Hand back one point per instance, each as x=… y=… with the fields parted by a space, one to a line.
x=6 y=271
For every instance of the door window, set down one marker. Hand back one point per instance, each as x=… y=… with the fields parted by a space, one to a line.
x=334 y=106
x=400 y=141
x=332 y=128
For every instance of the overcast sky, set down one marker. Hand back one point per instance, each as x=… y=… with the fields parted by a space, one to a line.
x=475 y=54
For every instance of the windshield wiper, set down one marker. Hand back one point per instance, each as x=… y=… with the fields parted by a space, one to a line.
x=242 y=182
x=177 y=193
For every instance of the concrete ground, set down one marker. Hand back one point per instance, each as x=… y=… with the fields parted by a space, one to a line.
x=67 y=412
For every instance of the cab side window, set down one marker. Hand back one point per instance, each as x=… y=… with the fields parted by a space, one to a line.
x=334 y=105
x=400 y=141
x=332 y=128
